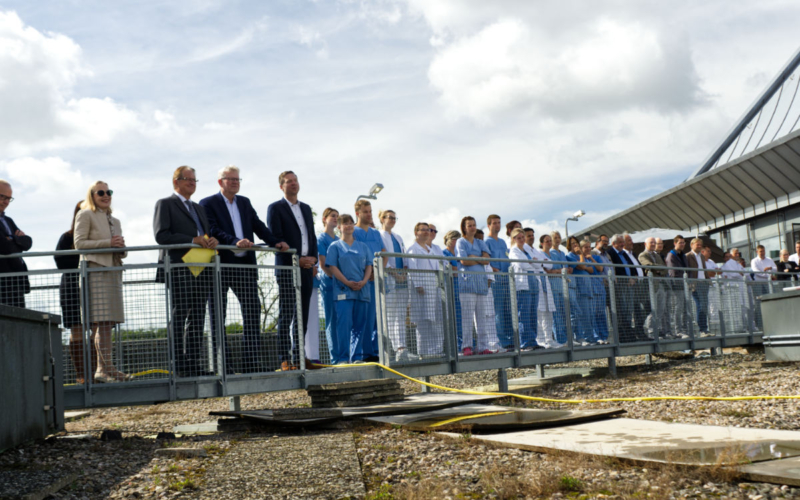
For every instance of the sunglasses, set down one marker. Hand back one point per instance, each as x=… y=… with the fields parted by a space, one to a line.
x=103 y=193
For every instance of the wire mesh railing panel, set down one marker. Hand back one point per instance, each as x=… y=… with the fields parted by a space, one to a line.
x=555 y=326
x=194 y=347
x=141 y=340
x=736 y=306
x=757 y=289
x=697 y=311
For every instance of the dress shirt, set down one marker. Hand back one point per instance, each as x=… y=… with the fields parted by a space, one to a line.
x=236 y=218
x=795 y=258
x=732 y=265
x=710 y=264
x=625 y=260
x=188 y=204
x=301 y=223
x=635 y=261
x=699 y=258
x=759 y=264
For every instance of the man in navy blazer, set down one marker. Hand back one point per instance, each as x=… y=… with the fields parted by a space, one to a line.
x=233 y=222
x=624 y=289
x=292 y=221
x=12 y=240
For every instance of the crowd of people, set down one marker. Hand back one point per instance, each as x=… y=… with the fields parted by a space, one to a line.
x=337 y=265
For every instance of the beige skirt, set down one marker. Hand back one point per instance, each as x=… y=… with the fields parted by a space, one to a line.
x=105 y=295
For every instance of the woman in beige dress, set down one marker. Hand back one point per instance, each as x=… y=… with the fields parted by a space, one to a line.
x=96 y=228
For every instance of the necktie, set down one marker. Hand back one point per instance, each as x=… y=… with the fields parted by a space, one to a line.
x=200 y=231
x=627 y=261
x=4 y=225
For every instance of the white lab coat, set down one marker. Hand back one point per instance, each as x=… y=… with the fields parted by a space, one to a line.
x=546 y=302
x=424 y=305
x=390 y=264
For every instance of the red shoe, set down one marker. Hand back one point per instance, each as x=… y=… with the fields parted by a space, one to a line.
x=487 y=351
x=467 y=351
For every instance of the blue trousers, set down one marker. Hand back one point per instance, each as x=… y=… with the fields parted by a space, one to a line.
x=371 y=343
x=599 y=312
x=337 y=353
x=528 y=316
x=457 y=299
x=502 y=311
x=352 y=327
x=585 y=330
x=700 y=296
x=559 y=320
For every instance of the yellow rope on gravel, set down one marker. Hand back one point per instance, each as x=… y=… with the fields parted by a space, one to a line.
x=569 y=401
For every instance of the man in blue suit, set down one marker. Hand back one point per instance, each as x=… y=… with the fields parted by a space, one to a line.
x=624 y=289
x=292 y=221
x=233 y=222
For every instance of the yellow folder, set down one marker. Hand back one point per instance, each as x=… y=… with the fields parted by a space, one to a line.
x=198 y=256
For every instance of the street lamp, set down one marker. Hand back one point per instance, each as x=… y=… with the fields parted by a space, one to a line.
x=575 y=217
x=373 y=192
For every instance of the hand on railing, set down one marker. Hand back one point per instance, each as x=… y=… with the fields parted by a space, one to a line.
x=205 y=241
x=117 y=242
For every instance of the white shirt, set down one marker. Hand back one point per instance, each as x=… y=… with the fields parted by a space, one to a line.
x=184 y=201
x=795 y=258
x=699 y=258
x=759 y=264
x=435 y=250
x=537 y=254
x=301 y=223
x=388 y=244
x=635 y=261
x=732 y=265
x=236 y=218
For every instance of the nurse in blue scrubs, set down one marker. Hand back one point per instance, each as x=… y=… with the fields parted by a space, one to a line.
x=580 y=295
x=367 y=234
x=330 y=218
x=500 y=289
x=350 y=263
x=557 y=284
x=450 y=240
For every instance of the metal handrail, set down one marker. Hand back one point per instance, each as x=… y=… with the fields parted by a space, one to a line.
x=58 y=253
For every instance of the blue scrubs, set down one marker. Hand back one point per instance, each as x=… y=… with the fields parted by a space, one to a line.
x=374 y=241
x=472 y=283
x=557 y=286
x=454 y=263
x=500 y=290
x=584 y=327
x=328 y=304
x=529 y=313
x=599 y=300
x=351 y=306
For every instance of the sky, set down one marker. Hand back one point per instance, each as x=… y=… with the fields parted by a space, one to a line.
x=528 y=109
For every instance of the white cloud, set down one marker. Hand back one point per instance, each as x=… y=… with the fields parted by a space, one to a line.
x=511 y=66
x=313 y=39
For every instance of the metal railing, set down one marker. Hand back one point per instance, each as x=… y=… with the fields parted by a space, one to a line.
x=189 y=331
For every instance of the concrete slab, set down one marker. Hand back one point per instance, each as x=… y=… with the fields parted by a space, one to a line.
x=488 y=418
x=653 y=441
x=786 y=471
x=411 y=404
x=71 y=416
x=33 y=484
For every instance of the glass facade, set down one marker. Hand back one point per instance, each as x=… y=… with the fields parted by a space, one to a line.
x=775 y=231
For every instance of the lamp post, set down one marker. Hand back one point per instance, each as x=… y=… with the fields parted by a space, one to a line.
x=575 y=217
x=373 y=192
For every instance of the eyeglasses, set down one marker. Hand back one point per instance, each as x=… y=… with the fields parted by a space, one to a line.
x=103 y=193
x=188 y=179
x=434 y=231
x=233 y=179
x=6 y=198
x=423 y=230
x=390 y=217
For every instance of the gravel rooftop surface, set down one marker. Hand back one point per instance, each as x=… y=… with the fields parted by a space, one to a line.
x=384 y=462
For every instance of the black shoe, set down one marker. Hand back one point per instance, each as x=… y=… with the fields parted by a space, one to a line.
x=372 y=359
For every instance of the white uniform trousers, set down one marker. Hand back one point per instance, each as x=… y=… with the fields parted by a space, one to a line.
x=478 y=310
x=396 y=309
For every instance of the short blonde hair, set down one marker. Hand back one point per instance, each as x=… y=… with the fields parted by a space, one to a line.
x=517 y=231
x=225 y=170
x=89 y=201
x=361 y=203
x=451 y=235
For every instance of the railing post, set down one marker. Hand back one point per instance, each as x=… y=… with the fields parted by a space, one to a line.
x=655 y=311
x=86 y=325
x=301 y=328
x=720 y=309
x=448 y=314
x=771 y=285
x=612 y=306
x=687 y=308
x=218 y=330
x=173 y=392
x=450 y=298
x=751 y=307
x=380 y=310
x=512 y=304
x=567 y=318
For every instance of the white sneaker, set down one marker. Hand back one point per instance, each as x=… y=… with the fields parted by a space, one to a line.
x=402 y=355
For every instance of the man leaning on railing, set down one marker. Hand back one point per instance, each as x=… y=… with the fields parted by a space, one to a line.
x=12 y=240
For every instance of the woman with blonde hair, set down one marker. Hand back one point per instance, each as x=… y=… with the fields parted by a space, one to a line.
x=96 y=228
x=397 y=295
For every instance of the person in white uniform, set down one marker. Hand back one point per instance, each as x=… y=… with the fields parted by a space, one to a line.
x=764 y=269
x=426 y=305
x=525 y=279
x=396 y=286
x=546 y=305
x=795 y=257
x=713 y=290
x=737 y=294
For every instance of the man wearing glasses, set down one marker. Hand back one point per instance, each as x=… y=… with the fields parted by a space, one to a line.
x=178 y=220
x=12 y=240
x=234 y=222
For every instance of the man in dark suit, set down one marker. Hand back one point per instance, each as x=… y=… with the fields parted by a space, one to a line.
x=178 y=220
x=292 y=221
x=624 y=289
x=234 y=222
x=12 y=240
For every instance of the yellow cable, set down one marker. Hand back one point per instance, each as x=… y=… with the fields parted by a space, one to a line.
x=469 y=417
x=570 y=401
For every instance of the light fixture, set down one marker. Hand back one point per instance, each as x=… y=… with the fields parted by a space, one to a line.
x=575 y=217
x=373 y=192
